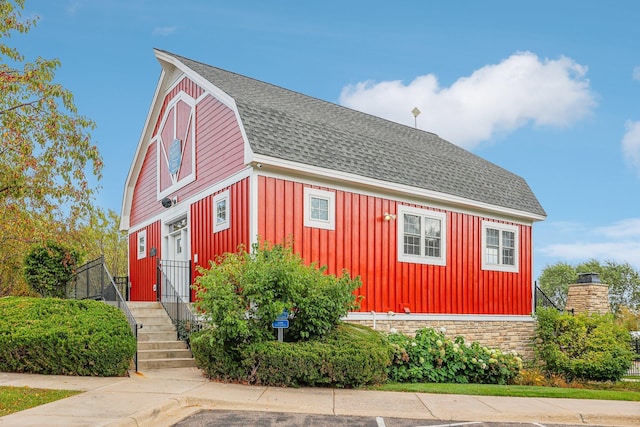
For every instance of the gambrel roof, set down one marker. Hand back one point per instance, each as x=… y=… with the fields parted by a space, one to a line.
x=287 y=125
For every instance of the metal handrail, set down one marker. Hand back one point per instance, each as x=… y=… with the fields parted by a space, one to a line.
x=107 y=292
x=176 y=307
x=542 y=300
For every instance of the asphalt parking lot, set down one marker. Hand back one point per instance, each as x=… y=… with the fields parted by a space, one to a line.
x=210 y=418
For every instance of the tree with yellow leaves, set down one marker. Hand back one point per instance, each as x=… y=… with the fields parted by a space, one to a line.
x=45 y=150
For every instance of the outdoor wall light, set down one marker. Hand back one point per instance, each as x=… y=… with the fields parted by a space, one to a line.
x=166 y=202
x=388 y=216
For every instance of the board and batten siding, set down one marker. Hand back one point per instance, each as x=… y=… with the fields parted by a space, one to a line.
x=142 y=272
x=206 y=244
x=366 y=245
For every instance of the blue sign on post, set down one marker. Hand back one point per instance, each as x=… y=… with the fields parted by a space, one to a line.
x=282 y=322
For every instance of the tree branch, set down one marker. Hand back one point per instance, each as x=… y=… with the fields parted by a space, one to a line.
x=26 y=104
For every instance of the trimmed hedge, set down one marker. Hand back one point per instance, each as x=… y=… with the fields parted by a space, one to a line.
x=349 y=356
x=64 y=337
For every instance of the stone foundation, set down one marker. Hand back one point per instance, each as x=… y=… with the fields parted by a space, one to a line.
x=505 y=335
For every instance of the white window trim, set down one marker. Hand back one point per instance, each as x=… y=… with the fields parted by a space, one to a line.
x=330 y=196
x=162 y=155
x=219 y=226
x=422 y=259
x=142 y=235
x=501 y=267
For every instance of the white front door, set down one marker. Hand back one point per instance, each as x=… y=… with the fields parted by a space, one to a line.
x=177 y=241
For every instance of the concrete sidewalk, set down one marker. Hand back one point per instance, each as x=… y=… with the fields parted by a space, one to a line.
x=164 y=397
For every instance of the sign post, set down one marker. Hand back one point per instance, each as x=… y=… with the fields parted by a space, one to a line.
x=281 y=323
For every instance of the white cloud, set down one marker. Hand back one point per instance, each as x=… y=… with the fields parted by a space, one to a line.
x=631 y=144
x=616 y=242
x=621 y=229
x=492 y=100
x=163 y=31
x=636 y=73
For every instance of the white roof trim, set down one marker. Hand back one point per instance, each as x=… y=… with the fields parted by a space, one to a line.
x=169 y=64
x=413 y=192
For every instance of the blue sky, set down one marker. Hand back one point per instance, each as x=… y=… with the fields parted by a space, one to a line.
x=546 y=89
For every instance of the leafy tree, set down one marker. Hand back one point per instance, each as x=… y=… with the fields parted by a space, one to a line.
x=98 y=234
x=623 y=281
x=49 y=267
x=555 y=280
x=46 y=144
x=46 y=155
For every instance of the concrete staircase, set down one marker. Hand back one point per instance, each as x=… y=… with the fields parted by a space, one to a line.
x=158 y=344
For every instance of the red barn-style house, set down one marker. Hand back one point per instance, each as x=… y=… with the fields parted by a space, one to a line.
x=439 y=236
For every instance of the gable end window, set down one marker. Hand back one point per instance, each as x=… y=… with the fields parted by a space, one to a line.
x=499 y=247
x=319 y=208
x=142 y=244
x=221 y=211
x=422 y=236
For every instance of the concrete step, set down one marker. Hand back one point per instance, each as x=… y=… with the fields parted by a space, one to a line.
x=164 y=354
x=161 y=345
x=166 y=363
x=157 y=336
x=153 y=320
x=156 y=328
x=143 y=304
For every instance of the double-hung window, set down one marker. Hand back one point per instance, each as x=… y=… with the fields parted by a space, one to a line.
x=319 y=208
x=221 y=211
x=499 y=247
x=142 y=244
x=422 y=236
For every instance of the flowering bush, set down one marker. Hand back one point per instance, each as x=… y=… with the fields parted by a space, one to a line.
x=431 y=357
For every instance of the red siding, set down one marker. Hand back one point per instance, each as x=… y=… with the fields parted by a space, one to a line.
x=366 y=246
x=219 y=154
x=209 y=245
x=142 y=272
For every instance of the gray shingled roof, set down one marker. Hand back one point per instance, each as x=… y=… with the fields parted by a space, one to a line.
x=288 y=125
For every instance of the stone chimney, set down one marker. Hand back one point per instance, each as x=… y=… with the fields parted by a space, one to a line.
x=588 y=295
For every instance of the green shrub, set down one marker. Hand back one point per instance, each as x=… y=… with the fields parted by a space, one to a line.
x=64 y=337
x=242 y=294
x=349 y=356
x=584 y=347
x=219 y=362
x=431 y=357
x=49 y=267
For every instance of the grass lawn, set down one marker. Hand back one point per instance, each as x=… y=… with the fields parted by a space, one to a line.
x=616 y=391
x=14 y=399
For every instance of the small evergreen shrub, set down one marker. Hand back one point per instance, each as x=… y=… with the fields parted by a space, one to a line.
x=64 y=337
x=431 y=357
x=48 y=268
x=215 y=359
x=582 y=346
x=349 y=356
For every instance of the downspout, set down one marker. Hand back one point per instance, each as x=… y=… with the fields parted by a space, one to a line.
x=374 y=319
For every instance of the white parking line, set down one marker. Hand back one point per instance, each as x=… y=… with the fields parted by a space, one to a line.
x=380 y=422
x=468 y=423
